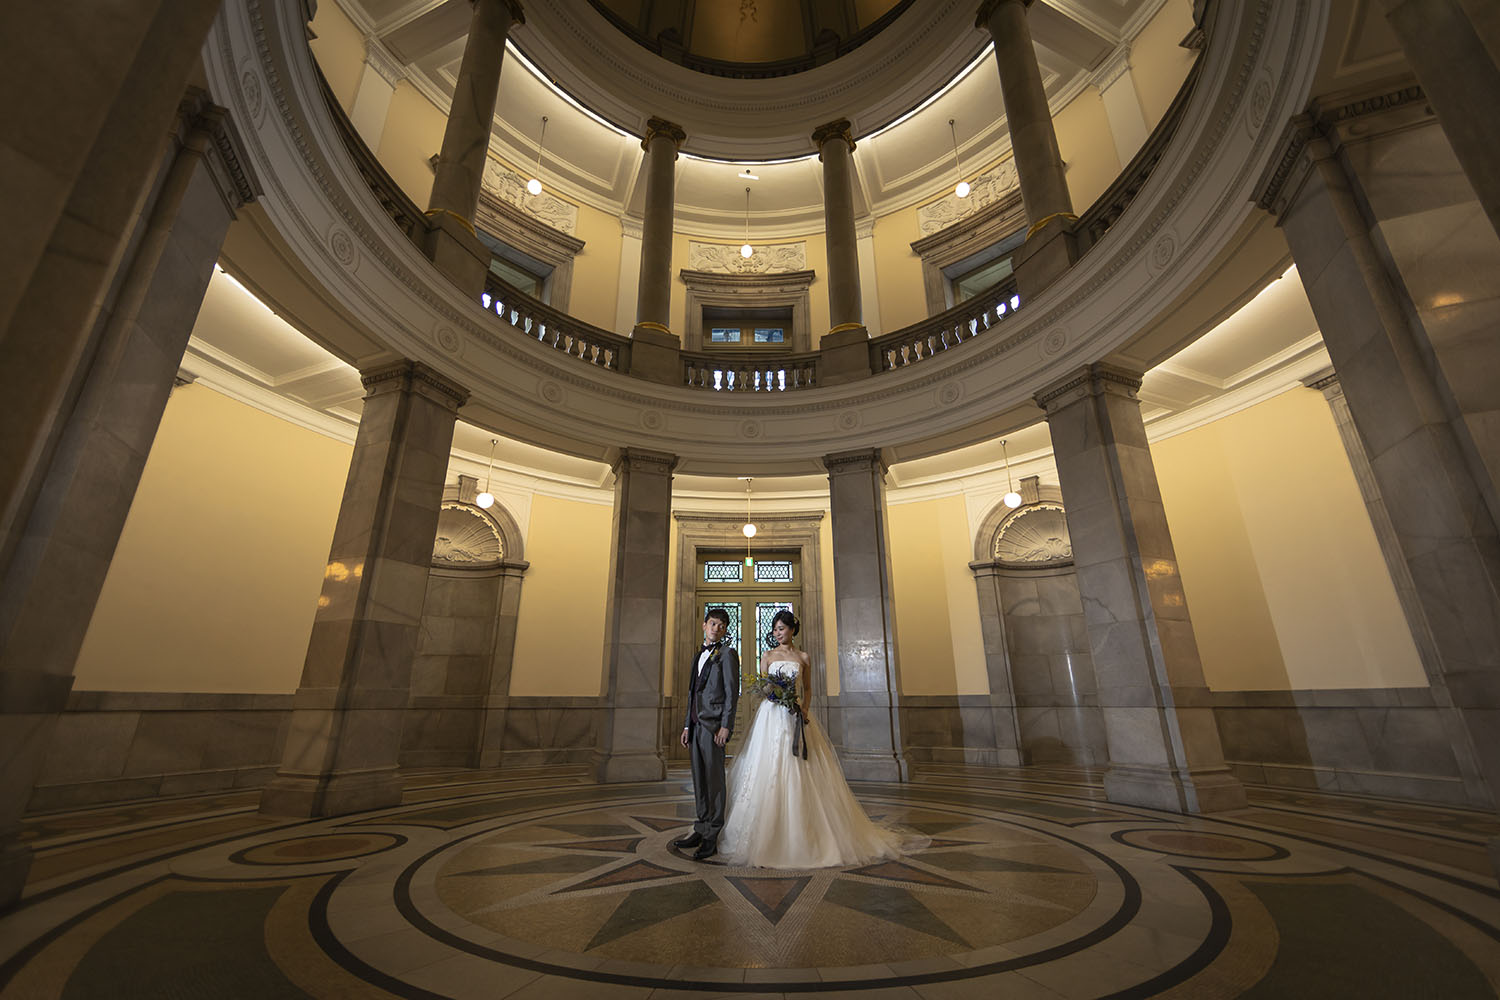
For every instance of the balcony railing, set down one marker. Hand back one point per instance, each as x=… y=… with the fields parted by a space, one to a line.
x=931 y=336
x=558 y=330
x=743 y=372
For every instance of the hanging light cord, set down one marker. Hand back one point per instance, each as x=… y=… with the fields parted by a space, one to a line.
x=961 y=189
x=542 y=139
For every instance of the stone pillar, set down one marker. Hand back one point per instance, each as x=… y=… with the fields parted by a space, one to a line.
x=1164 y=749
x=1454 y=48
x=451 y=242
x=654 y=353
x=63 y=551
x=630 y=273
x=635 y=629
x=377 y=84
x=1050 y=246
x=1327 y=383
x=845 y=354
x=864 y=233
x=1127 y=122
x=997 y=664
x=344 y=742
x=869 y=678
x=1366 y=195
x=491 y=749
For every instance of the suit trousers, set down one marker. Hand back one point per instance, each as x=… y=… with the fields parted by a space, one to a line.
x=708 y=781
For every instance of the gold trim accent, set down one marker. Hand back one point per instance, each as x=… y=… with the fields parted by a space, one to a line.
x=846 y=326
x=1046 y=219
x=462 y=221
x=653 y=326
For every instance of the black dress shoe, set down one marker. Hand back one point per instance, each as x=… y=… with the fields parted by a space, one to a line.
x=706 y=850
x=691 y=840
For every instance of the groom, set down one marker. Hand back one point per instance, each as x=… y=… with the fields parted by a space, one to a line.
x=712 y=693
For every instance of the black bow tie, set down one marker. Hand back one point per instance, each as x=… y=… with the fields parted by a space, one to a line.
x=707 y=646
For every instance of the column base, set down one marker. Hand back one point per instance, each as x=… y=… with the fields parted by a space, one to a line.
x=15 y=863
x=1207 y=791
x=845 y=356
x=618 y=768
x=865 y=766
x=457 y=252
x=1046 y=256
x=655 y=354
x=312 y=796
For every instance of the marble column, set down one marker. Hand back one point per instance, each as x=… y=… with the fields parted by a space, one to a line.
x=1164 y=749
x=1050 y=247
x=997 y=664
x=344 y=740
x=1454 y=48
x=1475 y=788
x=1397 y=259
x=869 y=677
x=635 y=629
x=491 y=749
x=52 y=582
x=844 y=346
x=451 y=242
x=654 y=353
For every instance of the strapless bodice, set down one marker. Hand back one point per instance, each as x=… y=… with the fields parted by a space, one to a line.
x=786 y=668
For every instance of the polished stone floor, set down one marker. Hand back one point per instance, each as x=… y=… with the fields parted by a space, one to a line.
x=541 y=884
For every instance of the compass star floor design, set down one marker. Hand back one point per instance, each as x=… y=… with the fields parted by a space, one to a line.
x=539 y=883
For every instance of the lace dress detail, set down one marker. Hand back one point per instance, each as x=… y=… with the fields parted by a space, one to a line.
x=786 y=812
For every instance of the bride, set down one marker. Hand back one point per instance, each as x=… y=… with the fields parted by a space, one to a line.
x=784 y=811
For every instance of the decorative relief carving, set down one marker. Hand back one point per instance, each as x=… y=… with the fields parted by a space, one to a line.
x=988 y=188
x=1260 y=103
x=774 y=258
x=255 y=97
x=510 y=187
x=465 y=537
x=1163 y=252
x=447 y=339
x=551 y=392
x=1055 y=340
x=342 y=245
x=652 y=420
x=848 y=420
x=1035 y=536
x=750 y=429
x=949 y=393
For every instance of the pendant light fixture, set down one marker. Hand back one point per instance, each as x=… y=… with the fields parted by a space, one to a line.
x=486 y=499
x=1012 y=499
x=534 y=186
x=962 y=188
x=746 y=249
x=749 y=529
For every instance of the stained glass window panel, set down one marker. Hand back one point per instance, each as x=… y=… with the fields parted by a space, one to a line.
x=723 y=572
x=773 y=571
x=764 y=612
x=734 y=616
x=772 y=335
x=722 y=335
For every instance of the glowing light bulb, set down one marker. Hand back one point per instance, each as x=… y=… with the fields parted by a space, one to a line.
x=485 y=500
x=534 y=186
x=749 y=530
x=746 y=250
x=962 y=190
x=1012 y=499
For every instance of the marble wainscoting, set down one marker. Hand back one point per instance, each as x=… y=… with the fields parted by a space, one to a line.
x=949 y=729
x=109 y=746
x=1376 y=741
x=556 y=730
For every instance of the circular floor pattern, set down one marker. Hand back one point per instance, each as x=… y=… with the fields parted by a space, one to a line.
x=1194 y=844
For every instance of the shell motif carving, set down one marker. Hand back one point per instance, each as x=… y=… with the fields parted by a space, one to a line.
x=775 y=258
x=465 y=538
x=510 y=187
x=987 y=189
x=1035 y=536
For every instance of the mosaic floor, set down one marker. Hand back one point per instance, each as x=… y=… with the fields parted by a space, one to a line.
x=541 y=884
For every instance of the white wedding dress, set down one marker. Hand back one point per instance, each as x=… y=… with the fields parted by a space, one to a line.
x=786 y=812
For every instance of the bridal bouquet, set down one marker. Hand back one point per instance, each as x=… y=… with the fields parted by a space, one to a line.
x=781 y=691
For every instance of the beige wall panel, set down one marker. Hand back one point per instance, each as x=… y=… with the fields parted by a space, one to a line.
x=413 y=132
x=596 y=271
x=898 y=270
x=1329 y=596
x=830 y=606
x=969 y=673
x=1158 y=62
x=924 y=632
x=339 y=49
x=817 y=292
x=560 y=631
x=1236 y=635
x=216 y=578
x=1092 y=164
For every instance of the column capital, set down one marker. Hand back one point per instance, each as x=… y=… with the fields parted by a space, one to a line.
x=404 y=376
x=383 y=61
x=833 y=130
x=1114 y=66
x=1325 y=381
x=206 y=128
x=988 y=7
x=1098 y=379
x=661 y=127
x=842 y=463
x=643 y=460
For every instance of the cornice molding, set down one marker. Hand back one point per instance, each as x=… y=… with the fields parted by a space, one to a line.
x=1115 y=65
x=383 y=61
x=1098 y=379
x=859 y=460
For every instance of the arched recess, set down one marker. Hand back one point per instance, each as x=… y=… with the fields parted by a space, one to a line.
x=460 y=681
x=1041 y=672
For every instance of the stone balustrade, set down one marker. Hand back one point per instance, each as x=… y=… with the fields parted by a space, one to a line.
x=741 y=372
x=558 y=330
x=963 y=322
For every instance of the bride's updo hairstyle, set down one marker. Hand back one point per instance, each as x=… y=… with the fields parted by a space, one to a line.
x=791 y=622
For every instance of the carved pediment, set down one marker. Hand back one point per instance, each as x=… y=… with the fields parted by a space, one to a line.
x=1035 y=536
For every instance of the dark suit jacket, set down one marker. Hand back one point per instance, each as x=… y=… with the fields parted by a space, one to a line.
x=718 y=688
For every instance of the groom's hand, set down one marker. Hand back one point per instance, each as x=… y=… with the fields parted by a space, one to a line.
x=684 y=736
x=722 y=736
